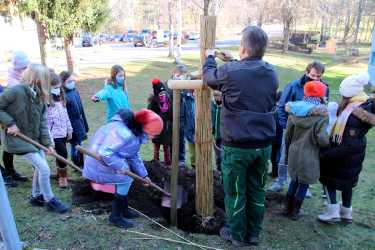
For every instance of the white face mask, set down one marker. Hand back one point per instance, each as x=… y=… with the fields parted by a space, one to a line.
x=70 y=85
x=181 y=77
x=55 y=91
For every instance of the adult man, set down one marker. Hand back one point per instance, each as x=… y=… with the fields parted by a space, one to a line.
x=247 y=128
x=293 y=91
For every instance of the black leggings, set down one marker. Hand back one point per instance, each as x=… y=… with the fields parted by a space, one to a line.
x=8 y=163
x=346 y=196
x=60 y=147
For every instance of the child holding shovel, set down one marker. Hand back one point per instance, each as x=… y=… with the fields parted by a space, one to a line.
x=117 y=144
x=23 y=109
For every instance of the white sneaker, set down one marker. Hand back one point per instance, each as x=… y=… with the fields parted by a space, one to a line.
x=346 y=214
x=308 y=193
x=331 y=215
x=275 y=187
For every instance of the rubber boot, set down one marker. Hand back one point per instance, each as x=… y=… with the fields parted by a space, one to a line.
x=346 y=214
x=63 y=179
x=116 y=217
x=129 y=213
x=289 y=205
x=295 y=214
x=331 y=215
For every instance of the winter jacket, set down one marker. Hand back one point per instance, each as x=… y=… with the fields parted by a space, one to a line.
x=304 y=137
x=116 y=99
x=342 y=164
x=249 y=97
x=119 y=148
x=165 y=137
x=20 y=107
x=215 y=118
x=14 y=77
x=189 y=115
x=292 y=92
x=76 y=116
x=58 y=121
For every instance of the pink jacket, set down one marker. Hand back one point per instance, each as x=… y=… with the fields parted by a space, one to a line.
x=14 y=77
x=58 y=121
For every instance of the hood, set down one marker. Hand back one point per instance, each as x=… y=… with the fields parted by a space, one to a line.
x=304 y=114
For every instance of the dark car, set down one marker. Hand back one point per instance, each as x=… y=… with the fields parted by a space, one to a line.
x=87 y=40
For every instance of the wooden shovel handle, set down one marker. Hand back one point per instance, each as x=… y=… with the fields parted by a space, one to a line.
x=127 y=172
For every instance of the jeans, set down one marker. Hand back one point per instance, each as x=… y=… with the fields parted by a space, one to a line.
x=283 y=166
x=346 y=196
x=297 y=190
x=60 y=147
x=41 y=179
x=123 y=189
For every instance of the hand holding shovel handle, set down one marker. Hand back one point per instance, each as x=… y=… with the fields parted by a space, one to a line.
x=127 y=172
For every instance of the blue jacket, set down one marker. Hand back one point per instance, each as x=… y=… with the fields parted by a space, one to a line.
x=189 y=115
x=77 y=116
x=119 y=149
x=292 y=92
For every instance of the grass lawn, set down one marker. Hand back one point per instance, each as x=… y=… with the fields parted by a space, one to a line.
x=83 y=230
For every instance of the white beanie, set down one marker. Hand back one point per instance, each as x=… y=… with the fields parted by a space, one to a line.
x=20 y=60
x=353 y=85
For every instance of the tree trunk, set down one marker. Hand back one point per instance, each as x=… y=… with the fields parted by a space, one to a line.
x=286 y=33
x=170 y=19
x=42 y=38
x=68 y=53
x=347 y=22
x=322 y=28
x=179 y=27
x=358 y=20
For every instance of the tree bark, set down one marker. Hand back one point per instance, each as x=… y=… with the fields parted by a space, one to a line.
x=68 y=41
x=179 y=27
x=347 y=22
x=170 y=19
x=358 y=20
x=42 y=38
x=286 y=33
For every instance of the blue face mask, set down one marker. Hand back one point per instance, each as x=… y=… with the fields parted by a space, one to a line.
x=70 y=85
x=120 y=80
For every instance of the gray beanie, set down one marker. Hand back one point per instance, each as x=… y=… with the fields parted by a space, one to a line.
x=20 y=60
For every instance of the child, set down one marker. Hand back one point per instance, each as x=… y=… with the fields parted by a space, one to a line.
x=118 y=144
x=23 y=109
x=59 y=125
x=305 y=134
x=76 y=115
x=161 y=105
x=114 y=92
x=341 y=164
x=216 y=111
x=20 y=61
x=276 y=145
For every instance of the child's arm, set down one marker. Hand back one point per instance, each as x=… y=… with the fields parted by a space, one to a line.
x=321 y=135
x=101 y=95
x=6 y=99
x=137 y=166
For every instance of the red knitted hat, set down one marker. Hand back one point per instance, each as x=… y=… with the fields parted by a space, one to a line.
x=155 y=81
x=315 y=89
x=152 y=123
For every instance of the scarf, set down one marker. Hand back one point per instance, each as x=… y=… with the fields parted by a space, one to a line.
x=339 y=127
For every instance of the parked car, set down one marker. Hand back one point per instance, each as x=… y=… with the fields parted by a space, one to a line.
x=87 y=40
x=193 y=36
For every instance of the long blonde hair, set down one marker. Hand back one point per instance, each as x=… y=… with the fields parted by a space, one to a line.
x=37 y=77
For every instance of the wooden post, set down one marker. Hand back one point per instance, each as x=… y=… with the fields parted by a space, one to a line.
x=8 y=228
x=175 y=152
x=203 y=136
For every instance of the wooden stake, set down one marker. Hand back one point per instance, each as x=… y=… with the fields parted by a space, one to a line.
x=203 y=135
x=175 y=153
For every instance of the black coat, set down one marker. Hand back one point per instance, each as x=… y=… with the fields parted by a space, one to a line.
x=341 y=164
x=165 y=137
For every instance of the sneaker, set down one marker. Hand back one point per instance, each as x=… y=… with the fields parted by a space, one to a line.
x=18 y=177
x=120 y=222
x=9 y=181
x=54 y=205
x=226 y=235
x=275 y=187
x=308 y=193
x=331 y=215
x=37 y=201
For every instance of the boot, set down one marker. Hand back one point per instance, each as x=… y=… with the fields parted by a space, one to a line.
x=127 y=212
x=116 y=217
x=346 y=214
x=63 y=179
x=295 y=214
x=289 y=205
x=331 y=215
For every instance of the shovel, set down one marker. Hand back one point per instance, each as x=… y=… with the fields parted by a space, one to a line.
x=127 y=172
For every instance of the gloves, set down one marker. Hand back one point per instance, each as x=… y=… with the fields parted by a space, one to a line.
x=332 y=115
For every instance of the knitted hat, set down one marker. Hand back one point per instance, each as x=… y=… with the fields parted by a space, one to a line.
x=314 y=89
x=152 y=123
x=158 y=86
x=20 y=60
x=353 y=85
x=181 y=68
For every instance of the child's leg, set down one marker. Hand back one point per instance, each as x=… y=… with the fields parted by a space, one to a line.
x=331 y=196
x=293 y=187
x=60 y=147
x=156 y=152
x=299 y=196
x=301 y=191
x=35 y=192
x=332 y=213
x=167 y=154
x=347 y=197
x=38 y=160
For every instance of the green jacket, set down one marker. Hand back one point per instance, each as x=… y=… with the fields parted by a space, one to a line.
x=19 y=106
x=304 y=137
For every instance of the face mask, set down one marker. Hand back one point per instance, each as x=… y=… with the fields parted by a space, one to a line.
x=70 y=85
x=181 y=77
x=55 y=91
x=120 y=80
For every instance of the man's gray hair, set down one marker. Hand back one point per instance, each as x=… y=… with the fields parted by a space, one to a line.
x=254 y=40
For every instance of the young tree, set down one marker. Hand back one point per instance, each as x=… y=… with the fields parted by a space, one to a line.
x=170 y=25
x=358 y=19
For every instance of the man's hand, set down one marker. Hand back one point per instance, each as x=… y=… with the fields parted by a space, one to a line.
x=147 y=181
x=225 y=56
x=210 y=52
x=50 y=151
x=13 y=130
